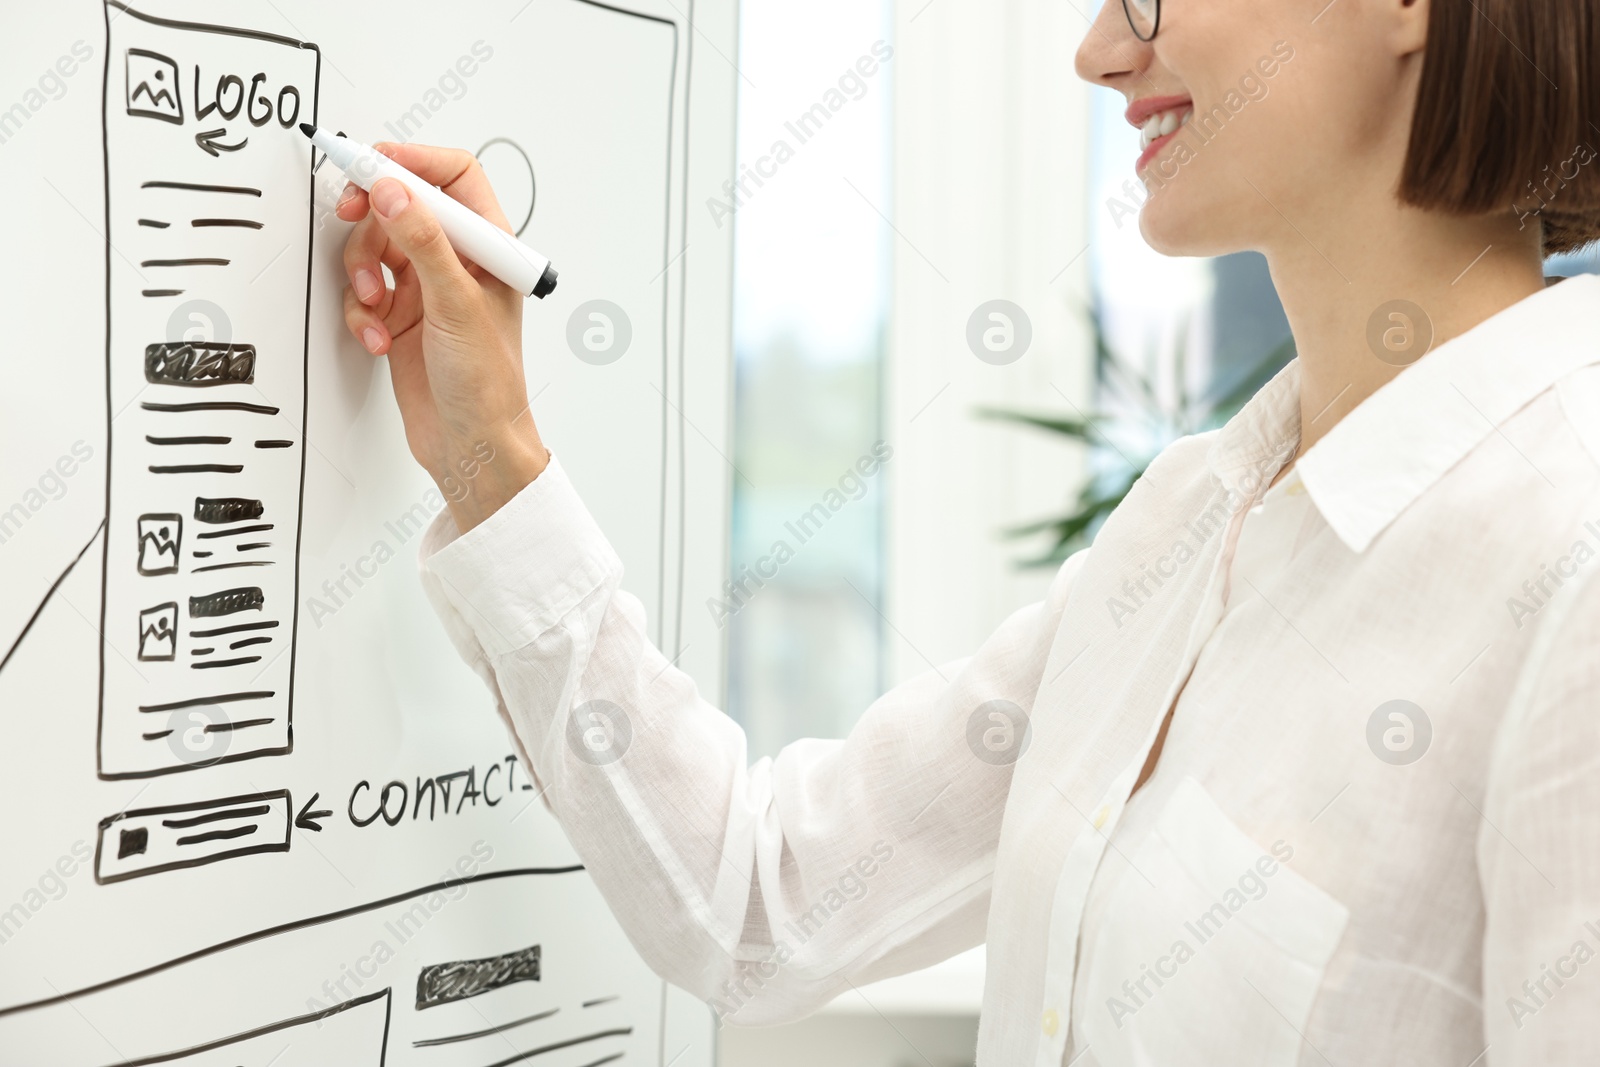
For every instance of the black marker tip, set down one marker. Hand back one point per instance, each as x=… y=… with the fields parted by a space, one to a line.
x=307 y=129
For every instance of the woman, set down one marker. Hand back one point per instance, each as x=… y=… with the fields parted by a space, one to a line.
x=1300 y=763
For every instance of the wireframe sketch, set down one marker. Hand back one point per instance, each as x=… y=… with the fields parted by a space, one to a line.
x=245 y=834
x=209 y=217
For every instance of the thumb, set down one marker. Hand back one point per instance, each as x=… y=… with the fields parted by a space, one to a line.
x=414 y=229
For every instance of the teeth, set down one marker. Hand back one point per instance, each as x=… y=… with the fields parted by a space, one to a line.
x=1161 y=124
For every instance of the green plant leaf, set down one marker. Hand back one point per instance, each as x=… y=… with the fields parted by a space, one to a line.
x=1078 y=429
x=1097 y=500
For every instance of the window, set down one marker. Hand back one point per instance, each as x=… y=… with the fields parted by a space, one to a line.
x=811 y=272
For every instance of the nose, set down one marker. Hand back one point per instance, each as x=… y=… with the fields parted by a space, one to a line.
x=1110 y=51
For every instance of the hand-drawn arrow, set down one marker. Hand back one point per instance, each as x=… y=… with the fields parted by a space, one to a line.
x=208 y=141
x=307 y=819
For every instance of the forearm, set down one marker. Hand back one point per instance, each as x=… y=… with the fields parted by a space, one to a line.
x=780 y=881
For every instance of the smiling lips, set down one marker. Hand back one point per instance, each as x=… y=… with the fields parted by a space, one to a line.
x=1158 y=119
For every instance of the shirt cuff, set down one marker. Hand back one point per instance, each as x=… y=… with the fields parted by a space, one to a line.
x=523 y=569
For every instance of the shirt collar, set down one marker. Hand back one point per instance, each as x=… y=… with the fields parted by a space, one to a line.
x=1402 y=439
x=1249 y=449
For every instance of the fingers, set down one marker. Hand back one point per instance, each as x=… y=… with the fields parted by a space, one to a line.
x=387 y=313
x=454 y=170
x=367 y=246
x=365 y=324
x=393 y=313
x=448 y=290
x=396 y=229
x=352 y=205
x=398 y=312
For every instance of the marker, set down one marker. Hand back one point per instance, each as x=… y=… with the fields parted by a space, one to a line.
x=474 y=236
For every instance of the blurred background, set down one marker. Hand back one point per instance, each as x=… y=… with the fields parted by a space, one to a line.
x=949 y=265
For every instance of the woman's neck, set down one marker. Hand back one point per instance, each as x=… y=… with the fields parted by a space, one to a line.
x=1458 y=271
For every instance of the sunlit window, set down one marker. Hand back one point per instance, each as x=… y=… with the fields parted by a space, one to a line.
x=810 y=300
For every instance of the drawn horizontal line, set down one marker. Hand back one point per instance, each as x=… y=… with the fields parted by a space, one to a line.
x=218 y=835
x=197 y=468
x=270 y=1028
x=202 y=652
x=216 y=816
x=192 y=261
x=242 y=724
x=218 y=632
x=257 y=528
x=252 y=546
x=247 y=642
x=154 y=224
x=597 y=1001
x=224 y=698
x=211 y=405
x=187 y=440
x=265 y=932
x=248 y=224
x=160 y=292
x=198 y=188
x=430 y=1042
x=158 y=735
x=224 y=663
x=568 y=1043
x=202 y=555
x=236 y=563
x=274 y=444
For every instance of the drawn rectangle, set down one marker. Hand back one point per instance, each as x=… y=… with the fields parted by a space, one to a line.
x=158 y=633
x=206 y=330
x=151 y=840
x=160 y=543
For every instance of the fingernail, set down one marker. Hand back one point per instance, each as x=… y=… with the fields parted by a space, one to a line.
x=346 y=196
x=390 y=198
x=372 y=339
x=366 y=285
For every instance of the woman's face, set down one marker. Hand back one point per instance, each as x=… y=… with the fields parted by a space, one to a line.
x=1294 y=112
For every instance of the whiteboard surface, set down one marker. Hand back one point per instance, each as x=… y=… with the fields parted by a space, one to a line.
x=256 y=809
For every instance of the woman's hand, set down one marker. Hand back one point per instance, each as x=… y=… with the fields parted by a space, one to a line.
x=452 y=332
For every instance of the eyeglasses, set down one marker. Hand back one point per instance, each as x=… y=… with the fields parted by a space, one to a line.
x=1144 y=16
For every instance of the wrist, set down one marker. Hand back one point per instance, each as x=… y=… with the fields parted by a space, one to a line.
x=488 y=474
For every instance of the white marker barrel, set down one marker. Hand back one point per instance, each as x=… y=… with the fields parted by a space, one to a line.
x=474 y=236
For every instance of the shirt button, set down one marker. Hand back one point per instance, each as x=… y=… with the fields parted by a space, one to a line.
x=1102 y=815
x=1295 y=488
x=1050 y=1023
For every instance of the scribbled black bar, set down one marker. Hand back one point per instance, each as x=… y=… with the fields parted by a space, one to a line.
x=218 y=510
x=199 y=363
x=442 y=983
x=227 y=602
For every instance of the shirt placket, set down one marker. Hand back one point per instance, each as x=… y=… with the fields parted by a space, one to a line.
x=1083 y=857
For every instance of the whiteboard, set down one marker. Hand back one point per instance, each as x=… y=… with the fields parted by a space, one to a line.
x=256 y=810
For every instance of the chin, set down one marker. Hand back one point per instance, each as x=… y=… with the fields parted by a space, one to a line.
x=1169 y=226
x=1178 y=222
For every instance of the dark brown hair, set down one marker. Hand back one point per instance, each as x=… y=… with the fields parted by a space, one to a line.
x=1508 y=115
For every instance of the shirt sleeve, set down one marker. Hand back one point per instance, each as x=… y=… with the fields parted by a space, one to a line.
x=1539 y=849
x=765 y=889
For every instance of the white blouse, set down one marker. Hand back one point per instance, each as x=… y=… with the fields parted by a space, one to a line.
x=1372 y=836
